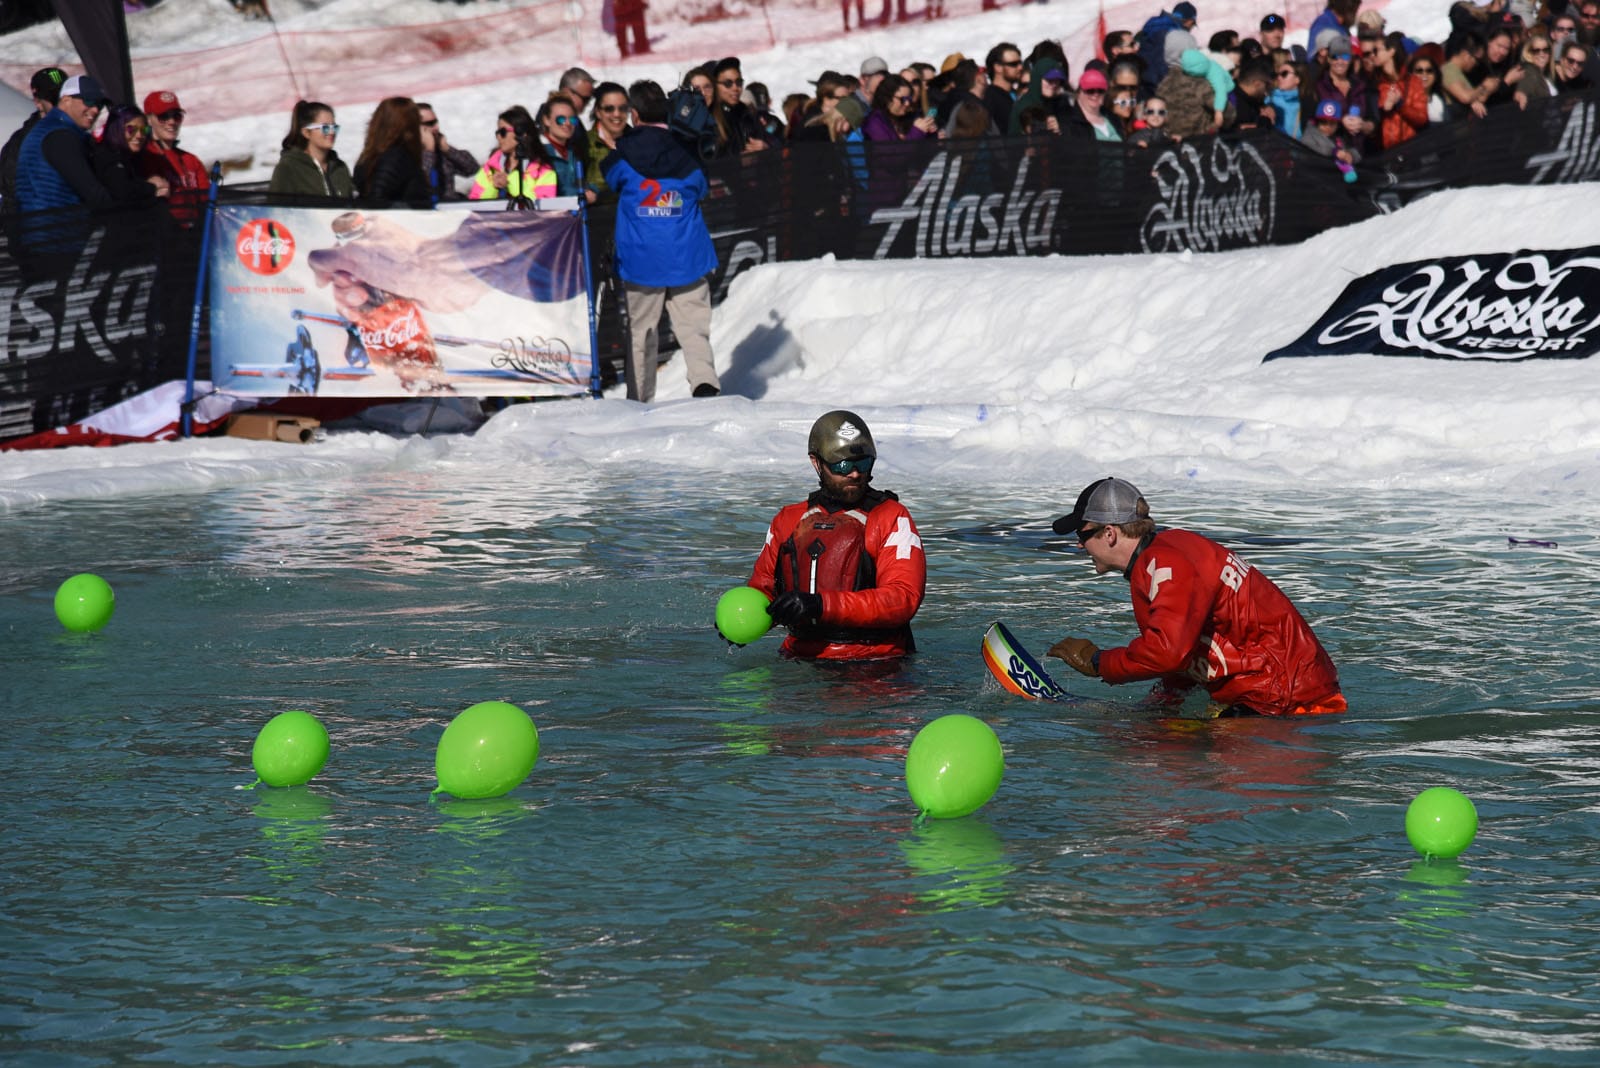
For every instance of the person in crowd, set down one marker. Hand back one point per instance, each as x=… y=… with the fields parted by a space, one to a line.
x=54 y=170
x=1046 y=95
x=442 y=162
x=1205 y=616
x=115 y=158
x=663 y=248
x=628 y=19
x=845 y=567
x=1123 y=111
x=1003 y=66
x=914 y=77
x=699 y=79
x=1502 y=63
x=1252 y=108
x=1424 y=67
x=1091 y=107
x=518 y=169
x=1224 y=48
x=794 y=106
x=558 y=126
x=968 y=83
x=1571 y=78
x=45 y=85
x=812 y=122
x=609 y=119
x=1118 y=43
x=738 y=128
x=873 y=70
x=1464 y=51
x=1538 y=66
x=1402 y=100
x=1198 y=64
x=1341 y=81
x=1126 y=73
x=577 y=85
x=1164 y=38
x=1192 y=100
x=1271 y=32
x=1289 y=104
x=893 y=116
x=185 y=175
x=1339 y=15
x=758 y=98
x=1151 y=129
x=389 y=169
x=1326 y=136
x=308 y=165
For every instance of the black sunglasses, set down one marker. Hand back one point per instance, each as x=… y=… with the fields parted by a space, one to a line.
x=844 y=467
x=1088 y=535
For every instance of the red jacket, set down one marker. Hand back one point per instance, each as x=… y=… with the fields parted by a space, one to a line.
x=186 y=178
x=1206 y=614
x=871 y=574
x=1409 y=114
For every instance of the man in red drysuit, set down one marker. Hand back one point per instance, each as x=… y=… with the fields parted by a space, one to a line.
x=845 y=566
x=1205 y=616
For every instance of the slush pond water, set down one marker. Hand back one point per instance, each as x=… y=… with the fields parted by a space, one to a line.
x=715 y=860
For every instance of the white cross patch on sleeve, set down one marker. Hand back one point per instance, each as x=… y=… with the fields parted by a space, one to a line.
x=904 y=539
x=1157 y=577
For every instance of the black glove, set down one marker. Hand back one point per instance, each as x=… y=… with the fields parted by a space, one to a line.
x=795 y=609
x=1079 y=653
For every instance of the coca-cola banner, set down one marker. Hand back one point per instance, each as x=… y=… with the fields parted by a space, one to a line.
x=378 y=303
x=1504 y=306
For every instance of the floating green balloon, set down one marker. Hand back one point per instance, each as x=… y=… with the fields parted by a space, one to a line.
x=1441 y=822
x=742 y=615
x=85 y=602
x=486 y=751
x=954 y=766
x=290 y=749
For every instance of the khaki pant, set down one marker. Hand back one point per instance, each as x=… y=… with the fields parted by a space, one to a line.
x=689 y=308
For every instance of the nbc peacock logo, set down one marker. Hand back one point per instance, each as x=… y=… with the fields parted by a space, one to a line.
x=265 y=246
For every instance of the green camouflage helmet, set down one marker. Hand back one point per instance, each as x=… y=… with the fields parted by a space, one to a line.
x=841 y=435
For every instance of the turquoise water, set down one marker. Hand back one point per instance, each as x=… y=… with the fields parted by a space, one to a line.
x=715 y=860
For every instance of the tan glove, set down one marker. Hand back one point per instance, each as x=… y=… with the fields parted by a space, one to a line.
x=1079 y=653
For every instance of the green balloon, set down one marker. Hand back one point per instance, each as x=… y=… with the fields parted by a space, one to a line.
x=954 y=766
x=742 y=615
x=290 y=749
x=85 y=602
x=486 y=751
x=1441 y=822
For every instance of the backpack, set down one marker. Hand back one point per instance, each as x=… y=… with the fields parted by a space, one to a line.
x=1152 y=42
x=690 y=121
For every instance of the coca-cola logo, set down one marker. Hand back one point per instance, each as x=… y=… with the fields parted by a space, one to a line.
x=394 y=334
x=265 y=246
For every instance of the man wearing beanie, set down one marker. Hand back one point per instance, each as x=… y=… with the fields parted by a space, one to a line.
x=46 y=85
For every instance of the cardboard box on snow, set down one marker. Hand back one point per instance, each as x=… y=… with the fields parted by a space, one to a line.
x=265 y=426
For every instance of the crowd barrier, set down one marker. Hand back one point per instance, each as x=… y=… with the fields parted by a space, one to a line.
x=106 y=312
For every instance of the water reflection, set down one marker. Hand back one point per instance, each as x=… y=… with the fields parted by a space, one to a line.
x=294 y=830
x=966 y=858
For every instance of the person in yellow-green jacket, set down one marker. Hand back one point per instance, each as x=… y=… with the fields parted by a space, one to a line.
x=517 y=168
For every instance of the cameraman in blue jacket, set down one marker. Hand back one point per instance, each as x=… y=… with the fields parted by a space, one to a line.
x=664 y=251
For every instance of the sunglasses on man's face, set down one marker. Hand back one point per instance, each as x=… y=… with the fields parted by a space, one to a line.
x=613 y=109
x=1088 y=534
x=844 y=467
x=175 y=115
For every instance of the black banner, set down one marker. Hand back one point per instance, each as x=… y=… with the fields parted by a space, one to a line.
x=1506 y=306
x=84 y=328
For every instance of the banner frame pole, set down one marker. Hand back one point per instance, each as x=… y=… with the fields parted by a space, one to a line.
x=186 y=419
x=582 y=212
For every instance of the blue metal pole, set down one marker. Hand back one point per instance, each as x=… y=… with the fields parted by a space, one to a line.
x=588 y=291
x=187 y=421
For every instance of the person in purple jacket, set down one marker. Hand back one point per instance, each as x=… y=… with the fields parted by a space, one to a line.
x=663 y=249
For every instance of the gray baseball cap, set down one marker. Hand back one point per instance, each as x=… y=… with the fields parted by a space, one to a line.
x=1109 y=501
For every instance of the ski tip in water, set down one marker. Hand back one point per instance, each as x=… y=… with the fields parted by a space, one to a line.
x=1015 y=668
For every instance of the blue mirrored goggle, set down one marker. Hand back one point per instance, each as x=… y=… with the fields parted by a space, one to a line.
x=844 y=467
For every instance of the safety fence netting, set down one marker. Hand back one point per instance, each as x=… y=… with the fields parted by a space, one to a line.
x=98 y=306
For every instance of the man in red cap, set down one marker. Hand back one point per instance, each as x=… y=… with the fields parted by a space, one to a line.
x=1205 y=616
x=185 y=174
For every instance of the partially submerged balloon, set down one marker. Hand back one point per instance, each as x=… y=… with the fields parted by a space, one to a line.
x=85 y=602
x=954 y=766
x=1441 y=822
x=742 y=615
x=290 y=749
x=486 y=751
